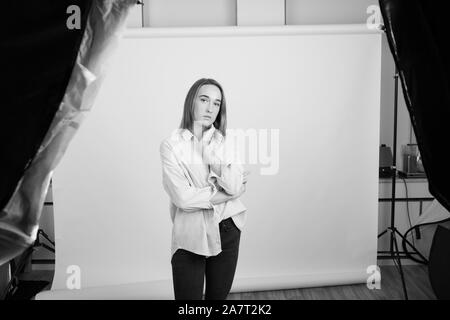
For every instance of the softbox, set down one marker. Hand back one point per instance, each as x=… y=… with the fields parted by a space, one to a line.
x=440 y=263
x=53 y=55
x=417 y=32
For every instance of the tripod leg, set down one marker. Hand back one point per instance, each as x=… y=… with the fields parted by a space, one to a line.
x=411 y=245
x=400 y=268
x=381 y=234
x=12 y=285
x=48 y=247
x=42 y=233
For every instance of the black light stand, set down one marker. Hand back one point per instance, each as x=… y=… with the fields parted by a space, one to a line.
x=394 y=252
x=18 y=267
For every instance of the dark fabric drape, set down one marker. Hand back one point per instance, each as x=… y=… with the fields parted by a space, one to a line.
x=38 y=55
x=417 y=32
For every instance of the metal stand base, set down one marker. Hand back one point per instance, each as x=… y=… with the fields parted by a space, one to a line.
x=396 y=255
x=17 y=268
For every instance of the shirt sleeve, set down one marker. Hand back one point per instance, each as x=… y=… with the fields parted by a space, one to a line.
x=232 y=171
x=181 y=193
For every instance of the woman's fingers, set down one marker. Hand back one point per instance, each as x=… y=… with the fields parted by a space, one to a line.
x=245 y=178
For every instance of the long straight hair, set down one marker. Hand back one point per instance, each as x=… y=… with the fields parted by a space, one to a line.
x=187 y=121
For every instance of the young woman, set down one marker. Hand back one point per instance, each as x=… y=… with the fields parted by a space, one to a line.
x=204 y=181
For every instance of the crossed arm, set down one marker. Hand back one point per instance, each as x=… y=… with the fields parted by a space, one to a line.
x=232 y=180
x=221 y=196
x=229 y=175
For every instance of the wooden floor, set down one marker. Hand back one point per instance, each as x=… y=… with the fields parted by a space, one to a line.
x=417 y=281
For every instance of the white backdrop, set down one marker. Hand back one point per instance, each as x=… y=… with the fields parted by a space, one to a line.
x=312 y=223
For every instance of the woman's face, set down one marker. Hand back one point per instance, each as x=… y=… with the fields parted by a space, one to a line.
x=207 y=105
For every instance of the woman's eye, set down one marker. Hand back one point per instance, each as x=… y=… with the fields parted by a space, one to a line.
x=217 y=104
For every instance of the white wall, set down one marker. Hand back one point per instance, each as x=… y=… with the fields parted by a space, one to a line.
x=260 y=13
x=192 y=13
x=327 y=11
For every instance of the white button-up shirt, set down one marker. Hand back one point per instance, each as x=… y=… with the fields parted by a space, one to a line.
x=191 y=184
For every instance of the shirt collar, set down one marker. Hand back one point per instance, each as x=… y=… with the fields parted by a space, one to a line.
x=207 y=135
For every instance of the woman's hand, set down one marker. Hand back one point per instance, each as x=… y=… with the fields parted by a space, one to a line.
x=246 y=173
x=241 y=191
x=243 y=186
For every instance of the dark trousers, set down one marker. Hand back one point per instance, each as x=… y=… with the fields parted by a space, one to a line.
x=189 y=270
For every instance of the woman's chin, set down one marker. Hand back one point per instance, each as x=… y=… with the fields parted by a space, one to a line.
x=206 y=123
